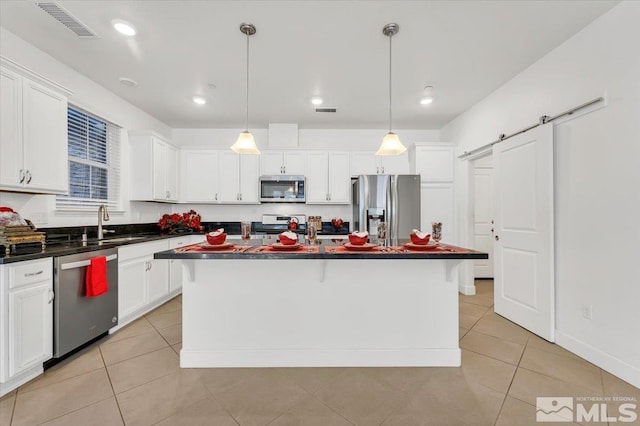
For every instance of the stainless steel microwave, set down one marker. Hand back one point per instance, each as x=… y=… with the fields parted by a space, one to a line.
x=282 y=189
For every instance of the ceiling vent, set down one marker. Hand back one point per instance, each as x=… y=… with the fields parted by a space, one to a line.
x=66 y=19
x=326 y=110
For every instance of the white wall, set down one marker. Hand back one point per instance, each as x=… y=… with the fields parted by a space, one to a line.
x=94 y=98
x=597 y=180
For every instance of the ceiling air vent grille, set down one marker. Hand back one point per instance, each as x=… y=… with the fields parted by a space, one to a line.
x=326 y=110
x=66 y=19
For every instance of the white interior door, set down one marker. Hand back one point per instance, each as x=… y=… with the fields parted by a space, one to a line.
x=483 y=215
x=523 y=248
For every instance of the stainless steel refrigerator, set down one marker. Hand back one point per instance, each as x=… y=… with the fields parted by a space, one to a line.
x=394 y=199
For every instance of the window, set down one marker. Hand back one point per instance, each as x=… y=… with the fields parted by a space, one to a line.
x=94 y=162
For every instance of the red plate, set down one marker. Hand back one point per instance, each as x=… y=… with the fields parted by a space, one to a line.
x=364 y=247
x=421 y=247
x=222 y=246
x=285 y=247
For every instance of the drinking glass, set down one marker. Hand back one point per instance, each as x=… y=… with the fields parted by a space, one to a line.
x=436 y=231
x=245 y=231
x=312 y=232
x=382 y=233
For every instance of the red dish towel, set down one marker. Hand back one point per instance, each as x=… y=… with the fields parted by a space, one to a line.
x=96 y=279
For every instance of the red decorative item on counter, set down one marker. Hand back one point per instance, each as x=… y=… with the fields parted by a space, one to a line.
x=337 y=223
x=420 y=238
x=216 y=237
x=176 y=222
x=288 y=238
x=358 y=238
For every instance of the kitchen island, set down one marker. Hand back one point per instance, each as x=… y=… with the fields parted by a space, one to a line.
x=255 y=307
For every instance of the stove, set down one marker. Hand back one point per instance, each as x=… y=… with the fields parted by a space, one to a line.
x=277 y=223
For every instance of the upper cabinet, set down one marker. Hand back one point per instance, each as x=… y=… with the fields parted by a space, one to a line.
x=154 y=168
x=328 y=179
x=218 y=176
x=283 y=163
x=33 y=134
x=368 y=163
x=434 y=162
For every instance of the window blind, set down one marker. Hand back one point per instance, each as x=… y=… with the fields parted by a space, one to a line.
x=94 y=162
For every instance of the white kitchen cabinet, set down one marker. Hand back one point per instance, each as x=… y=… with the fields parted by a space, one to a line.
x=154 y=168
x=199 y=179
x=435 y=162
x=33 y=135
x=26 y=320
x=175 y=266
x=283 y=163
x=328 y=178
x=368 y=163
x=143 y=282
x=238 y=178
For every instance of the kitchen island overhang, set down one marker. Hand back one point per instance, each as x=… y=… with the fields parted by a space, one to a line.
x=243 y=309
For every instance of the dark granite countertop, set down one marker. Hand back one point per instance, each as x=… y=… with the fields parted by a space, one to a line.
x=324 y=253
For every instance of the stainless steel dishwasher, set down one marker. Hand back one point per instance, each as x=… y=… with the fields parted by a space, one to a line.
x=77 y=319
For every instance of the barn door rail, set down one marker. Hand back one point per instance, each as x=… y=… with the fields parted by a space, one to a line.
x=542 y=120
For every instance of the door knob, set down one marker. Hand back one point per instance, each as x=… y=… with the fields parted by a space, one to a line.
x=497 y=238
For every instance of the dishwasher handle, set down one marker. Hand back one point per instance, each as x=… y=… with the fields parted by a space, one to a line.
x=81 y=263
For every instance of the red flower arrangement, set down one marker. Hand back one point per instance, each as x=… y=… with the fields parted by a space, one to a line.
x=177 y=222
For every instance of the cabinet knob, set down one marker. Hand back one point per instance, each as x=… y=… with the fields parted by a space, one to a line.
x=28 y=176
x=497 y=237
x=22 y=175
x=382 y=169
x=216 y=196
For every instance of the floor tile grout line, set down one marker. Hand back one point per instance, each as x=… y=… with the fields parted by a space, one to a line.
x=115 y=396
x=493 y=358
x=24 y=392
x=138 y=356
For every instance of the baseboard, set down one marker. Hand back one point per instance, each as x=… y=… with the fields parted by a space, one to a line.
x=20 y=380
x=321 y=358
x=467 y=290
x=607 y=362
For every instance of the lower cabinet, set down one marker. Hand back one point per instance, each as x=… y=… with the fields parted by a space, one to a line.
x=175 y=266
x=143 y=282
x=26 y=320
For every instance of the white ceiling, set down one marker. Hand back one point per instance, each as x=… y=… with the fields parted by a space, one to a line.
x=335 y=49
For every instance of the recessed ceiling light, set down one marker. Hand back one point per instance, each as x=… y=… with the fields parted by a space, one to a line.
x=124 y=27
x=426 y=101
x=128 y=82
x=199 y=100
x=316 y=100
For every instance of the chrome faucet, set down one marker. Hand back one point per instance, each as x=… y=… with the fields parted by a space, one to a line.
x=103 y=214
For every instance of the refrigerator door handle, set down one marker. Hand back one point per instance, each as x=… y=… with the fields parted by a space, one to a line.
x=394 y=208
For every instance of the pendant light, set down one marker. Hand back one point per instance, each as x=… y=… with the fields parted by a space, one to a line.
x=245 y=143
x=391 y=144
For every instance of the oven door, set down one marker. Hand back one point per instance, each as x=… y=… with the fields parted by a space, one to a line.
x=282 y=189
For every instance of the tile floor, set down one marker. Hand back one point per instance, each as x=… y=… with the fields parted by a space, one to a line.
x=132 y=377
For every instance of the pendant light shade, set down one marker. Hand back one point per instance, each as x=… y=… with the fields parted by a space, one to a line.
x=245 y=143
x=391 y=144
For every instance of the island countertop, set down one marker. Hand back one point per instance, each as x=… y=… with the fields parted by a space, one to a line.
x=255 y=250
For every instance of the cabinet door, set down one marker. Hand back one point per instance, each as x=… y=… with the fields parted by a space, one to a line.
x=437 y=204
x=228 y=177
x=271 y=163
x=394 y=164
x=11 y=161
x=249 y=179
x=339 y=179
x=171 y=173
x=131 y=286
x=30 y=326
x=295 y=163
x=364 y=163
x=317 y=177
x=157 y=279
x=159 y=152
x=435 y=163
x=45 y=138
x=199 y=181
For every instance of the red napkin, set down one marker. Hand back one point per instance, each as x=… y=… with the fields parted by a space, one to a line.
x=96 y=279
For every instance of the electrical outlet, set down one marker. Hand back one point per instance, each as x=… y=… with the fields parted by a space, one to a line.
x=586 y=312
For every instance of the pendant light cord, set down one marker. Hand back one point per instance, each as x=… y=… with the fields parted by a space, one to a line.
x=246 y=126
x=390 y=116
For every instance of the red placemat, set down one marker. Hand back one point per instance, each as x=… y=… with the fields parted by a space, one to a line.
x=440 y=248
x=206 y=248
x=343 y=250
x=300 y=250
